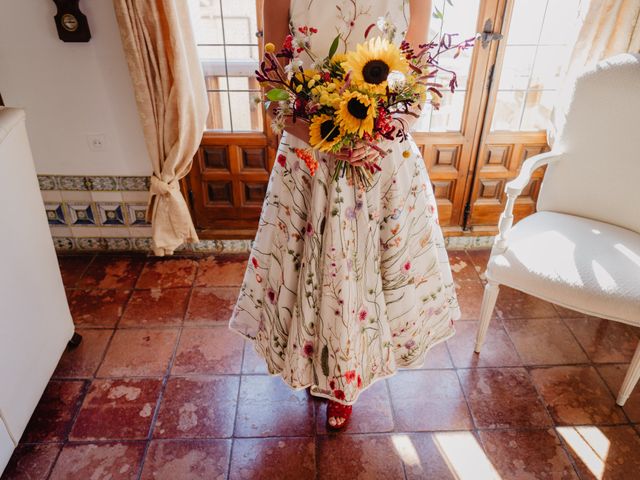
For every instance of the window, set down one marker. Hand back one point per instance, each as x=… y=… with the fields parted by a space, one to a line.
x=541 y=37
x=228 y=48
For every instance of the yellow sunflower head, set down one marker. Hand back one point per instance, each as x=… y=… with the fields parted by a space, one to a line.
x=324 y=132
x=371 y=63
x=356 y=113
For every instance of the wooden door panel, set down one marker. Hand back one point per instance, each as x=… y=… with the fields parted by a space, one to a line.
x=499 y=161
x=228 y=184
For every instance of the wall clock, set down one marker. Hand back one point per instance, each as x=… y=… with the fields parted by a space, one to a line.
x=71 y=23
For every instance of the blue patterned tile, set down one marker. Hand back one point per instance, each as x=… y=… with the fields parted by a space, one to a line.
x=110 y=213
x=137 y=213
x=55 y=213
x=81 y=214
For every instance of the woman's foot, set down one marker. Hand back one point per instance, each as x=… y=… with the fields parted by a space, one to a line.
x=338 y=415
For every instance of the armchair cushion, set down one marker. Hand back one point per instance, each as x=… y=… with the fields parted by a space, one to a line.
x=582 y=264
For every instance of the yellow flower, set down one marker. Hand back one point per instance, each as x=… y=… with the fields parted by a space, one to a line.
x=324 y=132
x=356 y=113
x=269 y=48
x=371 y=63
x=326 y=95
x=406 y=154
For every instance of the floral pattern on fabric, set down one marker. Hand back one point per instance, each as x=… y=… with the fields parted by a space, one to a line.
x=345 y=285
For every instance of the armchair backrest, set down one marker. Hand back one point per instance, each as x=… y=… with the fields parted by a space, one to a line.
x=598 y=175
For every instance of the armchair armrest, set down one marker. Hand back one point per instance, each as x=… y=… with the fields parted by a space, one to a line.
x=513 y=189
x=515 y=186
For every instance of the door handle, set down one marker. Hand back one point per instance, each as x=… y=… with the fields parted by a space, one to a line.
x=487 y=35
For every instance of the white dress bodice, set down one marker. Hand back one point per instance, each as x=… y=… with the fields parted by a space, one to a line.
x=349 y=19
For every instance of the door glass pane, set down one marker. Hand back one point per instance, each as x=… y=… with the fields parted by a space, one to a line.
x=458 y=17
x=228 y=49
x=541 y=37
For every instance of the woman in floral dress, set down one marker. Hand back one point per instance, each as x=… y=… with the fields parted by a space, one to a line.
x=345 y=285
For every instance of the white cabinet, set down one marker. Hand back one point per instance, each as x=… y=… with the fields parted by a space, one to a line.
x=35 y=323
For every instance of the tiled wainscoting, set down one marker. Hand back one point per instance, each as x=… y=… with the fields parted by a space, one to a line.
x=108 y=213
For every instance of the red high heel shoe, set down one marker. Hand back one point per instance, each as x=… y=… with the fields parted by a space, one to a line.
x=339 y=414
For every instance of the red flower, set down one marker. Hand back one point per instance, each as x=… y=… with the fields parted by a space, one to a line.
x=254 y=260
x=362 y=315
x=271 y=294
x=282 y=160
x=350 y=376
x=359 y=382
x=288 y=42
x=332 y=384
x=339 y=394
x=407 y=266
x=308 y=348
x=313 y=30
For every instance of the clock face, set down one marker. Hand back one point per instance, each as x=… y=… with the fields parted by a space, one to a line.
x=69 y=22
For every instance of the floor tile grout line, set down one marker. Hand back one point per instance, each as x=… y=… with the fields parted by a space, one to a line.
x=165 y=380
x=65 y=439
x=156 y=411
x=235 y=415
x=554 y=423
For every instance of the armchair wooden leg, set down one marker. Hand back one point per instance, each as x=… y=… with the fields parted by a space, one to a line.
x=630 y=379
x=489 y=298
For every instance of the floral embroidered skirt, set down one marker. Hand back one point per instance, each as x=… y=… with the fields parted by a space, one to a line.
x=345 y=285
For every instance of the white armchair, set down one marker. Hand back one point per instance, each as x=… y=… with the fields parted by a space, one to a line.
x=581 y=250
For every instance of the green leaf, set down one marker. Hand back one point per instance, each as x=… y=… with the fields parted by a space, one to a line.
x=277 y=94
x=324 y=361
x=334 y=46
x=438 y=15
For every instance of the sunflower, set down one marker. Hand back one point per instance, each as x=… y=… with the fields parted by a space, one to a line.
x=371 y=63
x=324 y=132
x=356 y=113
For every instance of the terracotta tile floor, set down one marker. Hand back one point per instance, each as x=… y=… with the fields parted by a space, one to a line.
x=160 y=389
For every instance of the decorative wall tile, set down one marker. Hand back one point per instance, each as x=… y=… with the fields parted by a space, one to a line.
x=73 y=183
x=111 y=213
x=133 y=183
x=120 y=244
x=91 y=243
x=137 y=214
x=142 y=244
x=102 y=183
x=55 y=213
x=81 y=214
x=64 y=243
x=47 y=182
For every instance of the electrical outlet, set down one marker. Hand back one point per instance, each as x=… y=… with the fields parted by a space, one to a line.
x=96 y=142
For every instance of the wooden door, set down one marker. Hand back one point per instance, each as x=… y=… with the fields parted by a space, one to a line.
x=538 y=39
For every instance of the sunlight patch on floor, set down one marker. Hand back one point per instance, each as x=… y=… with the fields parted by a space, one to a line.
x=406 y=450
x=590 y=445
x=464 y=456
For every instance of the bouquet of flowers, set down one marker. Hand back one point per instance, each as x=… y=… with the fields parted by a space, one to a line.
x=359 y=97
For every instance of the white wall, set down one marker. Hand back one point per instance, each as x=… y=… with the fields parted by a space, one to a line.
x=70 y=90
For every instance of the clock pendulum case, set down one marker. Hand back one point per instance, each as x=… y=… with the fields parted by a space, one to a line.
x=71 y=23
